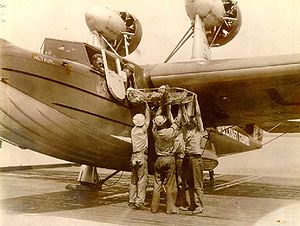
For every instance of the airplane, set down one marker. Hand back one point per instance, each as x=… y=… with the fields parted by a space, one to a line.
x=57 y=103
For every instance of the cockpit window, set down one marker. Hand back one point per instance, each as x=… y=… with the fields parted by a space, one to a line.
x=76 y=51
x=73 y=51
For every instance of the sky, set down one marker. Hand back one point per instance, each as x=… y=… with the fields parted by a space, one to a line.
x=270 y=27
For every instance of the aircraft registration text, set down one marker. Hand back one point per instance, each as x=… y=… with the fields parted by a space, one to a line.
x=42 y=58
x=230 y=132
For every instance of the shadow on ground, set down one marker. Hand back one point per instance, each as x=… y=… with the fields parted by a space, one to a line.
x=64 y=200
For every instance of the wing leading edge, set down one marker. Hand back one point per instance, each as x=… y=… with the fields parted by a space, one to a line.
x=238 y=91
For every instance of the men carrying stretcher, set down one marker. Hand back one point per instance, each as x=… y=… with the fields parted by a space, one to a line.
x=175 y=140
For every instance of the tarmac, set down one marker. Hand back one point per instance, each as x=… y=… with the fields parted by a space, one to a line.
x=38 y=197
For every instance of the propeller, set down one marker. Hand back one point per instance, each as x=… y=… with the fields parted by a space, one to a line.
x=220 y=35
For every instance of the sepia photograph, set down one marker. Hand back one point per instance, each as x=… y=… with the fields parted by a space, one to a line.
x=163 y=112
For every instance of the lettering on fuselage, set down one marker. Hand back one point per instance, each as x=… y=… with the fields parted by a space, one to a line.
x=230 y=132
x=42 y=58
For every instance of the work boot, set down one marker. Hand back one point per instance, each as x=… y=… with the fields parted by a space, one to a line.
x=184 y=208
x=193 y=207
x=139 y=206
x=197 y=210
x=175 y=211
x=131 y=205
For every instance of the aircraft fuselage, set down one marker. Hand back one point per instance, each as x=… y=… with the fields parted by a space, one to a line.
x=64 y=108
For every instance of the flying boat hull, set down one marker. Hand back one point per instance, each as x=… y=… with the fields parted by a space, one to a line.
x=64 y=109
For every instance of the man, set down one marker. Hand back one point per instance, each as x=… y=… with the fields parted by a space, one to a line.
x=128 y=69
x=164 y=137
x=179 y=150
x=193 y=151
x=139 y=137
x=97 y=63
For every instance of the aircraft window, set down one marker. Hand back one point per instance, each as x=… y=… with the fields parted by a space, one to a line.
x=128 y=70
x=91 y=51
x=111 y=61
x=73 y=51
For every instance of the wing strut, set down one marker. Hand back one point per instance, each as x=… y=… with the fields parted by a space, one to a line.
x=186 y=36
x=287 y=131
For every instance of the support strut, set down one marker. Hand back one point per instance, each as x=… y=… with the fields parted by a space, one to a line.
x=201 y=51
x=89 y=179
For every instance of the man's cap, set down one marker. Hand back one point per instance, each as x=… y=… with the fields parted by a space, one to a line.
x=162 y=89
x=160 y=120
x=129 y=66
x=139 y=120
x=97 y=55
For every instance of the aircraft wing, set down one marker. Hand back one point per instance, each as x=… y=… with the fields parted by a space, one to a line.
x=281 y=127
x=262 y=90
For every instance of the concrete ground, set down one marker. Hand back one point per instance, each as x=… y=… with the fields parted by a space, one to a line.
x=39 y=197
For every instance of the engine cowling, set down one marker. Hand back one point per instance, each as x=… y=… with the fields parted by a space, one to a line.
x=134 y=27
x=232 y=21
x=210 y=11
x=121 y=29
x=105 y=21
x=221 y=19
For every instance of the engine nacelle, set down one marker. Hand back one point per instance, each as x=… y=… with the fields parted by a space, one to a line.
x=221 y=18
x=210 y=11
x=105 y=21
x=232 y=21
x=121 y=29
